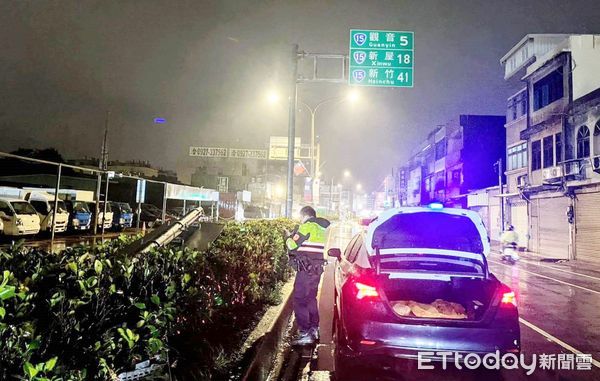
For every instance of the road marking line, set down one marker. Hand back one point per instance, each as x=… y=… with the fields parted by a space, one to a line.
x=555 y=268
x=547 y=277
x=562 y=270
x=558 y=341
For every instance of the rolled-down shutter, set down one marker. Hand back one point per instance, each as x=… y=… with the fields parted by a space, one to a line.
x=518 y=219
x=494 y=217
x=553 y=227
x=534 y=227
x=587 y=223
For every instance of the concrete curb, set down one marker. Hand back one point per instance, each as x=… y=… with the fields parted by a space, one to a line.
x=266 y=340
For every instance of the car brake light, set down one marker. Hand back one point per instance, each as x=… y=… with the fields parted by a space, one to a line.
x=365 y=291
x=509 y=298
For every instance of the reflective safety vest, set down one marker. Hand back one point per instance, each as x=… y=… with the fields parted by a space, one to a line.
x=309 y=238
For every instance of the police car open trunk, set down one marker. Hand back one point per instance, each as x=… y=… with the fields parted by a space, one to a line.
x=431 y=265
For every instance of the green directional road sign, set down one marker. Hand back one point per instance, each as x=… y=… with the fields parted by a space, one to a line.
x=381 y=58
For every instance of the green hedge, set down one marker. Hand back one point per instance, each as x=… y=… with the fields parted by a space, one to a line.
x=91 y=313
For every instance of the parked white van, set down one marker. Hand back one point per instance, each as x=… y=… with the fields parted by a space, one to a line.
x=109 y=214
x=18 y=217
x=43 y=203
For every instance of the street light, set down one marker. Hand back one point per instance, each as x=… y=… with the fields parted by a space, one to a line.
x=347 y=174
x=352 y=96
x=359 y=187
x=273 y=97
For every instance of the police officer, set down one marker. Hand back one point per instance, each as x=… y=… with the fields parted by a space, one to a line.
x=306 y=246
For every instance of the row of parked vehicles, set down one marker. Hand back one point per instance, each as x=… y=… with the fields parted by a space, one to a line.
x=29 y=211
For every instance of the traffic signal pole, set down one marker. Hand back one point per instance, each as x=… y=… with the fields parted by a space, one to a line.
x=292 y=133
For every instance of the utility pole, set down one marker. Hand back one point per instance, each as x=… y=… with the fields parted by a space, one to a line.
x=501 y=187
x=292 y=133
x=104 y=154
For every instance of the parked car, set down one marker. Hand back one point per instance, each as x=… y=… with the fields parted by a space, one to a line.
x=18 y=217
x=122 y=215
x=152 y=215
x=43 y=203
x=252 y=212
x=80 y=216
x=100 y=219
x=178 y=212
x=149 y=214
x=428 y=257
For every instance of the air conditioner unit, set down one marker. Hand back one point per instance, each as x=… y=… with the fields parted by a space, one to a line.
x=596 y=163
x=552 y=173
x=572 y=168
x=522 y=181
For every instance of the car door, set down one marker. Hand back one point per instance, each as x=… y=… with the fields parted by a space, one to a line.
x=344 y=265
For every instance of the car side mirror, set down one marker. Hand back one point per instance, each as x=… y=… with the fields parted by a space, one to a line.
x=334 y=252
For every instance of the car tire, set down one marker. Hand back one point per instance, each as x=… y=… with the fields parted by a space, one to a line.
x=342 y=365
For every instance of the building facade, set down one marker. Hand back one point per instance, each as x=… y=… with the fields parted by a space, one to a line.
x=454 y=159
x=552 y=151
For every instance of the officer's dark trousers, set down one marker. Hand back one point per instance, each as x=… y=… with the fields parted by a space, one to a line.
x=305 y=300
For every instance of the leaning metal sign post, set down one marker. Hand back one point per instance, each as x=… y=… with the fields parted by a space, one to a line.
x=381 y=58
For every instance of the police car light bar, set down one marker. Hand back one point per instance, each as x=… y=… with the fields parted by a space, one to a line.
x=436 y=206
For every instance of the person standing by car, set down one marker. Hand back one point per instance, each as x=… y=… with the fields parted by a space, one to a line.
x=306 y=246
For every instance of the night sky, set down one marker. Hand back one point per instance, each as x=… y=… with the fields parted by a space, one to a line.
x=206 y=66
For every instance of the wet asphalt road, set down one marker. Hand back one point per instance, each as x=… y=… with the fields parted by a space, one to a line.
x=558 y=305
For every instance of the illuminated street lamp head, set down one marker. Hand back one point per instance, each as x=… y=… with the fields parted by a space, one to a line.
x=353 y=95
x=272 y=97
x=347 y=173
x=358 y=186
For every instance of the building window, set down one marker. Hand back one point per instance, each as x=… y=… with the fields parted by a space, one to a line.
x=583 y=142
x=517 y=107
x=428 y=184
x=548 y=147
x=440 y=149
x=523 y=104
x=548 y=89
x=536 y=155
x=512 y=110
x=517 y=156
x=558 y=147
x=456 y=177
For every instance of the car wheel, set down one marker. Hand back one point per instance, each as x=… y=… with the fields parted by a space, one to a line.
x=342 y=365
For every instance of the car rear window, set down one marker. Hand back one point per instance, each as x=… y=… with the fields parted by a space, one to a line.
x=432 y=263
x=429 y=230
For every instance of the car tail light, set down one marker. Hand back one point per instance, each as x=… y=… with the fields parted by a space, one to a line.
x=365 y=291
x=508 y=298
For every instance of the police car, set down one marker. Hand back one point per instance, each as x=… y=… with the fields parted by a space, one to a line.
x=418 y=280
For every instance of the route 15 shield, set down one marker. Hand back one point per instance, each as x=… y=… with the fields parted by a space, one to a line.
x=359 y=75
x=360 y=38
x=359 y=57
